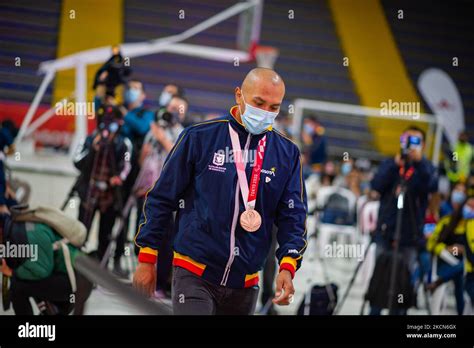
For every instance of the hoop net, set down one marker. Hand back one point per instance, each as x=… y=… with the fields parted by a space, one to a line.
x=266 y=56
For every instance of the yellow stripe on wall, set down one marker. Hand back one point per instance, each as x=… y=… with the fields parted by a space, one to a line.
x=375 y=65
x=86 y=24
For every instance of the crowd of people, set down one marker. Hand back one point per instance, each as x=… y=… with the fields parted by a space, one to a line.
x=434 y=238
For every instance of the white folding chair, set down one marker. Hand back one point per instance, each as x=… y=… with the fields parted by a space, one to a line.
x=325 y=230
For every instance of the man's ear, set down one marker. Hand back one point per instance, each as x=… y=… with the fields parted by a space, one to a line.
x=238 y=95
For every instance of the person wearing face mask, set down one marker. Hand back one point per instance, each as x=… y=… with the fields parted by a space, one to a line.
x=137 y=121
x=349 y=178
x=229 y=179
x=156 y=146
x=169 y=91
x=137 y=117
x=411 y=171
x=447 y=243
x=457 y=197
x=103 y=167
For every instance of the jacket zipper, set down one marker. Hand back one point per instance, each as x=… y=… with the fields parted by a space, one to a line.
x=234 y=219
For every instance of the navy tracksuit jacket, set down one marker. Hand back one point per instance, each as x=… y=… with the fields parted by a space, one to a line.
x=195 y=183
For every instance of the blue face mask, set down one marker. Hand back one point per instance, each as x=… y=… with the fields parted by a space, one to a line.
x=165 y=98
x=132 y=95
x=467 y=212
x=308 y=129
x=346 y=168
x=256 y=120
x=458 y=197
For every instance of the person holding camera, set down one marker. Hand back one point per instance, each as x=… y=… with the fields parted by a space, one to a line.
x=104 y=165
x=136 y=124
x=169 y=91
x=412 y=173
x=156 y=147
x=137 y=118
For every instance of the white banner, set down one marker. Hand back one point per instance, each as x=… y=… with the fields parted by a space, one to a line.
x=442 y=96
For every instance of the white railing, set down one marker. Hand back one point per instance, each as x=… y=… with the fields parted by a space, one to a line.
x=435 y=129
x=170 y=44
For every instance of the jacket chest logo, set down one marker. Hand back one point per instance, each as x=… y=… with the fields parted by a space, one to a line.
x=218 y=163
x=218 y=159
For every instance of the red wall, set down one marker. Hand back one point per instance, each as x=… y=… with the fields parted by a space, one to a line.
x=50 y=132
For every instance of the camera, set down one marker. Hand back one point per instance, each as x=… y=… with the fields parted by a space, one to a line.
x=409 y=142
x=165 y=118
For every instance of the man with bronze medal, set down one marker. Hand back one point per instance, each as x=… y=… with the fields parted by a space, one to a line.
x=229 y=180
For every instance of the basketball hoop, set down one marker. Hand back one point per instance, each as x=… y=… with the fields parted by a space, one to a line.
x=266 y=56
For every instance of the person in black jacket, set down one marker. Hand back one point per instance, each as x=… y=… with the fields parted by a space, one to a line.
x=104 y=163
x=421 y=180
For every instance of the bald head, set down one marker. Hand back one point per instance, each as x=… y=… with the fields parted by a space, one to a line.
x=262 y=88
x=262 y=76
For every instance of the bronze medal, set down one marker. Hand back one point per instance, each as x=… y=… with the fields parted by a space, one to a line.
x=250 y=220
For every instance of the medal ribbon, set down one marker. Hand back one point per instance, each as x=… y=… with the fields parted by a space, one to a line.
x=249 y=195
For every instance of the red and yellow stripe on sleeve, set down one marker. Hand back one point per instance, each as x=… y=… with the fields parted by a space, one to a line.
x=188 y=263
x=289 y=264
x=147 y=255
x=251 y=280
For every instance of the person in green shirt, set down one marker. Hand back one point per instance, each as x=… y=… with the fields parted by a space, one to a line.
x=460 y=166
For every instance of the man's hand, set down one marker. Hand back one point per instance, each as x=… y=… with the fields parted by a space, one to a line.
x=96 y=142
x=5 y=269
x=115 y=181
x=158 y=132
x=4 y=209
x=399 y=161
x=144 y=279
x=284 y=289
x=160 y=135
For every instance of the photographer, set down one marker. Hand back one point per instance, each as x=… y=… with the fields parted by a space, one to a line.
x=136 y=125
x=169 y=91
x=409 y=169
x=158 y=143
x=137 y=118
x=104 y=166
